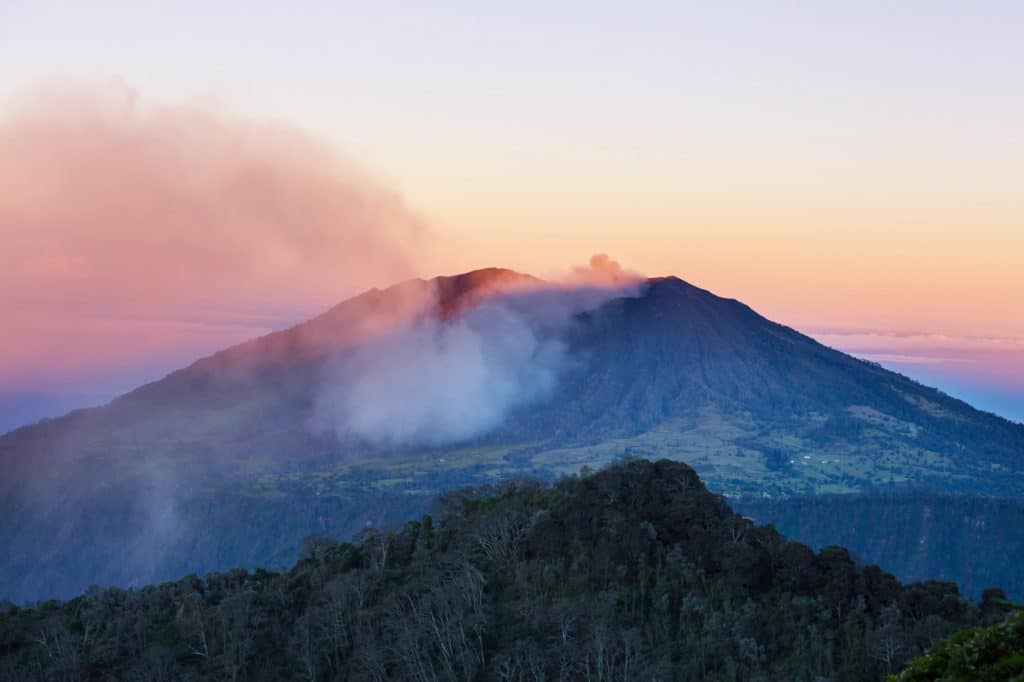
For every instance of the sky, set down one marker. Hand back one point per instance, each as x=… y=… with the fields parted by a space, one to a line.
x=176 y=177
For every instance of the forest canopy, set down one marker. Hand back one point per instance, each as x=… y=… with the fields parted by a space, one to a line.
x=636 y=572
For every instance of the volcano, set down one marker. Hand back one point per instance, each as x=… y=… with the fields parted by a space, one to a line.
x=219 y=464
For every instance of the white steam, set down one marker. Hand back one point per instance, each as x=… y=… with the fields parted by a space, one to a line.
x=433 y=381
x=437 y=381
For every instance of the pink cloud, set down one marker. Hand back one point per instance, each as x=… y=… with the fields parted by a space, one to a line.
x=159 y=216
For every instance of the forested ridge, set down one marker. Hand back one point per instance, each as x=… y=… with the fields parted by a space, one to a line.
x=636 y=572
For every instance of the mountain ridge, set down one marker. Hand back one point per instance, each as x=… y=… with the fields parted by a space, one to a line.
x=664 y=369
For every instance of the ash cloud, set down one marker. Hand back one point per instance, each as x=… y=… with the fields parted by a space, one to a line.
x=432 y=381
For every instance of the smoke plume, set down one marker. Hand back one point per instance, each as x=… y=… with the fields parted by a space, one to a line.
x=435 y=381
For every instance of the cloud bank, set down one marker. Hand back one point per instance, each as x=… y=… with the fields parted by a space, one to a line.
x=127 y=226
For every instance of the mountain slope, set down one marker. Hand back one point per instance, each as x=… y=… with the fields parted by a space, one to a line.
x=163 y=479
x=680 y=352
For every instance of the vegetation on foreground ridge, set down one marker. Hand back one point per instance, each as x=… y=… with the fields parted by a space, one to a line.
x=636 y=572
x=990 y=654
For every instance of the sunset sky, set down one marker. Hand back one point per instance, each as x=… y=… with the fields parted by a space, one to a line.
x=176 y=177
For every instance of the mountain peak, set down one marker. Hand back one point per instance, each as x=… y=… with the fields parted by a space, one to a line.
x=457 y=292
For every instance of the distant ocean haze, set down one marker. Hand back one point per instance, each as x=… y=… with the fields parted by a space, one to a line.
x=985 y=370
x=21 y=408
